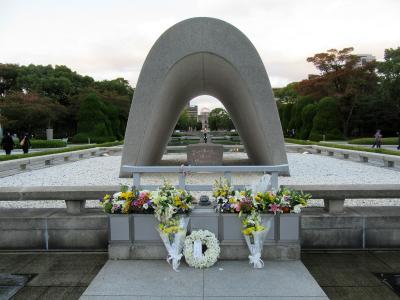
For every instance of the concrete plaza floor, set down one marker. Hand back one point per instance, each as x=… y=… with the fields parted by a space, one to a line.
x=155 y=279
x=342 y=275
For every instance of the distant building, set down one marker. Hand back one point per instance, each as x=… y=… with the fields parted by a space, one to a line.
x=205 y=112
x=193 y=111
x=364 y=59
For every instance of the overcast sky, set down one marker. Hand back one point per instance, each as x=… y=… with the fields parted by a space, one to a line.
x=109 y=39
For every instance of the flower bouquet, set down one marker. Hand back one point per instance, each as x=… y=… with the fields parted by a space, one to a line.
x=128 y=201
x=255 y=232
x=229 y=201
x=224 y=196
x=292 y=201
x=171 y=208
x=142 y=202
x=118 y=203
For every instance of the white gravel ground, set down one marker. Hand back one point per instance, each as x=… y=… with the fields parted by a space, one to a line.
x=304 y=169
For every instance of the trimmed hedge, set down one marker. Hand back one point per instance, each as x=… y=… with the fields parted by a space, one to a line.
x=84 y=138
x=63 y=150
x=300 y=142
x=48 y=144
x=370 y=141
x=42 y=144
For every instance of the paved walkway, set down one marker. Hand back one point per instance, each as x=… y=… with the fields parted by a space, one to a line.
x=155 y=279
x=55 y=275
x=347 y=275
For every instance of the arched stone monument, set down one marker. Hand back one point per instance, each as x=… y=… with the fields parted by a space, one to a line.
x=195 y=57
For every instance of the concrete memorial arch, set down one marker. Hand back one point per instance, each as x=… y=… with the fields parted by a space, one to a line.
x=195 y=57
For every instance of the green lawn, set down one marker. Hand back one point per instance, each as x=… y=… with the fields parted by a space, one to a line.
x=370 y=141
x=342 y=146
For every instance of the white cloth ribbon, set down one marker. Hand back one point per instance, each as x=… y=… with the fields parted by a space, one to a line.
x=174 y=259
x=256 y=260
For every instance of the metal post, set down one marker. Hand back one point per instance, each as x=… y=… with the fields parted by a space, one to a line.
x=136 y=180
x=228 y=176
x=182 y=181
x=274 y=181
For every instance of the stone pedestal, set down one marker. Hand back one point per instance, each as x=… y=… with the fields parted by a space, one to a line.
x=135 y=236
x=205 y=154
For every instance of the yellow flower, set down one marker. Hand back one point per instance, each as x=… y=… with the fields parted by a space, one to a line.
x=172 y=229
x=125 y=207
x=259 y=228
x=248 y=231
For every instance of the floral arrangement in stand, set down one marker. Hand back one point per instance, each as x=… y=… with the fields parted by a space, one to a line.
x=142 y=202
x=230 y=201
x=128 y=201
x=249 y=206
x=169 y=202
x=224 y=196
x=171 y=208
x=292 y=201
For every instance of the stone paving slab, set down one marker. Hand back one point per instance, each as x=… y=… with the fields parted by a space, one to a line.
x=10 y=285
x=155 y=279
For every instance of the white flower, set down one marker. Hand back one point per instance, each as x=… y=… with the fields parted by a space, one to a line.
x=116 y=195
x=297 y=208
x=145 y=206
x=120 y=202
x=209 y=257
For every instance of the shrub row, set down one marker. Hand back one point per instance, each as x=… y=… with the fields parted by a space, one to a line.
x=43 y=144
x=84 y=138
x=55 y=151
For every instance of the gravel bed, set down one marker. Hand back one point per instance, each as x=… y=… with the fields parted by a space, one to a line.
x=304 y=169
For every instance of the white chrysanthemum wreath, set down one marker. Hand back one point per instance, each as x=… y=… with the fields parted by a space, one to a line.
x=197 y=259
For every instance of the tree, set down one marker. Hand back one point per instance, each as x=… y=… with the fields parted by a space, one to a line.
x=389 y=77
x=62 y=86
x=186 y=121
x=334 y=60
x=326 y=121
x=8 y=77
x=29 y=113
x=285 y=114
x=287 y=94
x=93 y=120
x=342 y=79
x=219 y=119
x=307 y=116
x=296 y=121
x=120 y=86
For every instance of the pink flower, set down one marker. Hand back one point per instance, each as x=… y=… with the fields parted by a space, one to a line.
x=274 y=208
x=237 y=207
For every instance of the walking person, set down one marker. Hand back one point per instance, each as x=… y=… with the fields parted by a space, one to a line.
x=378 y=139
x=398 y=140
x=7 y=143
x=25 y=143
